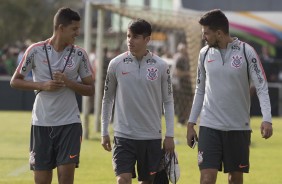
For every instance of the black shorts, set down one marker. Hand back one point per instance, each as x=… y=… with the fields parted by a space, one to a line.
x=230 y=148
x=54 y=146
x=147 y=154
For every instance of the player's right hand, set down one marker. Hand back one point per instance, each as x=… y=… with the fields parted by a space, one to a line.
x=53 y=85
x=191 y=135
x=106 y=142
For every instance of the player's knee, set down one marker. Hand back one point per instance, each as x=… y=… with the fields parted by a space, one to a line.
x=123 y=179
x=235 y=178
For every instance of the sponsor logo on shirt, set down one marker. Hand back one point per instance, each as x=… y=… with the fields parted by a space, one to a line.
x=127 y=60
x=257 y=70
x=235 y=48
x=237 y=61
x=151 y=61
x=152 y=73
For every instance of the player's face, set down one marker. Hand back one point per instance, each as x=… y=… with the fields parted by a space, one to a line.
x=70 y=32
x=209 y=36
x=136 y=43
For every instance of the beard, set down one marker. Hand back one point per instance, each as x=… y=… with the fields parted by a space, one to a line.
x=215 y=44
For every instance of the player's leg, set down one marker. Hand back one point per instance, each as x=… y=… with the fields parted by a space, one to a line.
x=209 y=154
x=67 y=143
x=149 y=154
x=42 y=160
x=236 y=155
x=66 y=173
x=124 y=159
x=42 y=177
x=235 y=178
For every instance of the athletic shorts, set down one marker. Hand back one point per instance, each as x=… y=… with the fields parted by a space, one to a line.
x=54 y=146
x=147 y=154
x=228 y=148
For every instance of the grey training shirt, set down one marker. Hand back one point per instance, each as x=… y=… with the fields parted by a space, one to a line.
x=53 y=108
x=140 y=89
x=222 y=94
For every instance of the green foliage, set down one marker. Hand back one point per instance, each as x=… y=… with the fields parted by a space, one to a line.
x=96 y=163
x=28 y=19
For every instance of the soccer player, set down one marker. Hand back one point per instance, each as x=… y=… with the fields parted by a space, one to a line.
x=56 y=130
x=226 y=66
x=139 y=83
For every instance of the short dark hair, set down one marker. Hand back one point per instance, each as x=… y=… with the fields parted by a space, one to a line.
x=215 y=20
x=65 y=16
x=140 y=27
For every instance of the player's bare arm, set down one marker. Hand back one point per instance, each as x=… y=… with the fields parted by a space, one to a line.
x=18 y=82
x=86 y=88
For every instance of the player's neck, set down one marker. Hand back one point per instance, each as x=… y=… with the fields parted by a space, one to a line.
x=139 y=56
x=223 y=44
x=57 y=44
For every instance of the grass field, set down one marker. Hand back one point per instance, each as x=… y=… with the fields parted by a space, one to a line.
x=96 y=166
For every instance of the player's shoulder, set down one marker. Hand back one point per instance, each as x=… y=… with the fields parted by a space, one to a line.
x=204 y=49
x=35 y=47
x=121 y=58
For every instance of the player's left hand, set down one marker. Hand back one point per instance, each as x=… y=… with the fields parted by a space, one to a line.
x=266 y=129
x=168 y=144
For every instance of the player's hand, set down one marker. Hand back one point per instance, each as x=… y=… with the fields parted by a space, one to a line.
x=168 y=144
x=191 y=135
x=52 y=85
x=266 y=129
x=106 y=142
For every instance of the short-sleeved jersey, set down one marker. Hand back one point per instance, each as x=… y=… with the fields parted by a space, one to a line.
x=54 y=108
x=222 y=92
x=140 y=89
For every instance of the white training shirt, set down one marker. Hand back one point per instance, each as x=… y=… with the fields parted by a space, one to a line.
x=57 y=107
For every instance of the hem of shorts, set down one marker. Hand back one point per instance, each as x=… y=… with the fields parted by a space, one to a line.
x=65 y=163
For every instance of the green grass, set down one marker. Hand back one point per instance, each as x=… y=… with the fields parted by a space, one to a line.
x=96 y=164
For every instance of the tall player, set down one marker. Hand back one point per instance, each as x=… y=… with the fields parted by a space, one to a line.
x=56 y=130
x=225 y=68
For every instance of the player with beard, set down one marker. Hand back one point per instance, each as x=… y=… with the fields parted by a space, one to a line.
x=226 y=66
x=56 y=129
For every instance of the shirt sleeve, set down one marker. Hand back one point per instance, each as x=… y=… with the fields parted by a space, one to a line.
x=199 y=91
x=27 y=62
x=85 y=68
x=259 y=80
x=168 y=105
x=108 y=98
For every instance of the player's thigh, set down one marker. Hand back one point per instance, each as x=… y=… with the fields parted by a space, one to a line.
x=68 y=143
x=149 y=155
x=236 y=151
x=66 y=173
x=209 y=149
x=124 y=156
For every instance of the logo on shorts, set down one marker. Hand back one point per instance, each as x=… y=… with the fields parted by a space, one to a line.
x=72 y=156
x=200 y=157
x=32 y=158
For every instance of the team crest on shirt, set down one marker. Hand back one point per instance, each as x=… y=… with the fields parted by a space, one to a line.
x=200 y=157
x=236 y=61
x=70 y=64
x=152 y=73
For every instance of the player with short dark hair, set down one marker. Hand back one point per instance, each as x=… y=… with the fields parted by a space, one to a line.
x=226 y=66
x=56 y=130
x=139 y=83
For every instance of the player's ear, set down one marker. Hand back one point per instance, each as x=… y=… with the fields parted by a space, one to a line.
x=147 y=38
